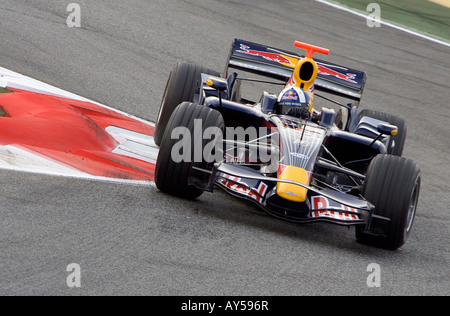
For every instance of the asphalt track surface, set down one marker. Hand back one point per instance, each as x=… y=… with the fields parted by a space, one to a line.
x=134 y=240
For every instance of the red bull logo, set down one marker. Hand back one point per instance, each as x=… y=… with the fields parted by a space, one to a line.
x=266 y=55
x=330 y=72
x=289 y=96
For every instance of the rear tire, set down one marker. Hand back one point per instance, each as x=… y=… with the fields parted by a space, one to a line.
x=397 y=142
x=178 y=177
x=392 y=185
x=184 y=80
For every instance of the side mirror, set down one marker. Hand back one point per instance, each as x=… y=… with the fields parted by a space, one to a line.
x=217 y=83
x=387 y=129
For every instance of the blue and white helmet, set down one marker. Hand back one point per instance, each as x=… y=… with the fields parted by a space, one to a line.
x=294 y=101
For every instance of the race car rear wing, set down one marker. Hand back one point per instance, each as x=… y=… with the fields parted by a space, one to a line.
x=280 y=64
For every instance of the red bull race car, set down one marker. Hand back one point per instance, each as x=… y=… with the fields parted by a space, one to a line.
x=298 y=163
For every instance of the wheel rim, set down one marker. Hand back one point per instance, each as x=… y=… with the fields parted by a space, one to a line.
x=412 y=206
x=162 y=103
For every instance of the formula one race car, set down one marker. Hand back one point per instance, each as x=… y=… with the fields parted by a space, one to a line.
x=299 y=164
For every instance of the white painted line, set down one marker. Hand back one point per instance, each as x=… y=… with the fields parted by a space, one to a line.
x=389 y=24
x=14 y=157
x=17 y=159
x=133 y=144
x=86 y=177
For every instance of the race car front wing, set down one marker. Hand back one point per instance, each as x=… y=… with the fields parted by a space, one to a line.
x=322 y=205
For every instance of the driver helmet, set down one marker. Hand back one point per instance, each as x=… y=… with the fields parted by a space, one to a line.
x=294 y=101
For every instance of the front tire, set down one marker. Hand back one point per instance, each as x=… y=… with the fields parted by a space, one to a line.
x=176 y=176
x=184 y=79
x=392 y=185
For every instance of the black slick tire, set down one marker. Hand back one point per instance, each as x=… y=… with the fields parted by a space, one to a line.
x=176 y=176
x=184 y=80
x=392 y=185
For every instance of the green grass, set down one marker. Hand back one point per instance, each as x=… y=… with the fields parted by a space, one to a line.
x=2 y=110
x=3 y=90
x=422 y=16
